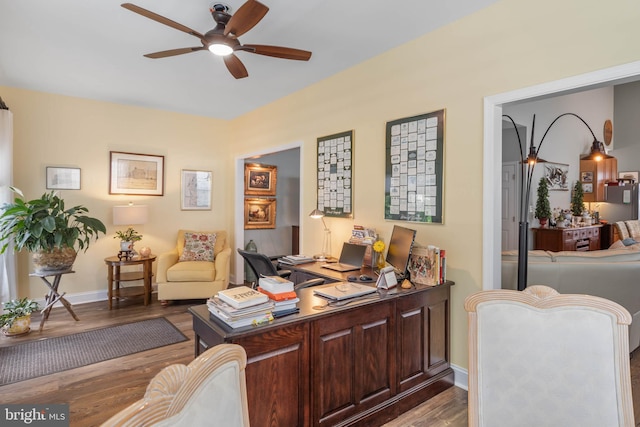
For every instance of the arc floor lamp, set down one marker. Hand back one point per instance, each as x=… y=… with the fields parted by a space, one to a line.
x=528 y=165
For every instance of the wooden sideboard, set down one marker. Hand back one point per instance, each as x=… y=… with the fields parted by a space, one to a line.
x=567 y=239
x=362 y=364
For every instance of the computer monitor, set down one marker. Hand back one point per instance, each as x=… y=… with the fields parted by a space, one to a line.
x=400 y=248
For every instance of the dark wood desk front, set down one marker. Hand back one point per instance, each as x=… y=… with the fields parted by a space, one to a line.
x=362 y=364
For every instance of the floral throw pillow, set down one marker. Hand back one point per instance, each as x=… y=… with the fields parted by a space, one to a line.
x=198 y=247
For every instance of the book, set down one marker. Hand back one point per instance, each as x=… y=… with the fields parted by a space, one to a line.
x=295 y=259
x=280 y=296
x=242 y=296
x=258 y=319
x=218 y=305
x=275 y=284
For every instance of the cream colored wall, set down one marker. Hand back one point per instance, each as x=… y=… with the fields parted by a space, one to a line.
x=53 y=130
x=510 y=45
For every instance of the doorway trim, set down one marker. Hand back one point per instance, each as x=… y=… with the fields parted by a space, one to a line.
x=238 y=264
x=492 y=150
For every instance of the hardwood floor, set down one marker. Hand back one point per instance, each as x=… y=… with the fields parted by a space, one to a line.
x=96 y=392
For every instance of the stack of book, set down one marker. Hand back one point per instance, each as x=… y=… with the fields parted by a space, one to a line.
x=281 y=293
x=295 y=259
x=241 y=306
x=428 y=265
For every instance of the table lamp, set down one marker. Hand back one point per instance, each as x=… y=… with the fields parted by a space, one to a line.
x=326 y=241
x=130 y=215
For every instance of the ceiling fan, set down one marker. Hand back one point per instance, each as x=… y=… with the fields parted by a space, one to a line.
x=223 y=39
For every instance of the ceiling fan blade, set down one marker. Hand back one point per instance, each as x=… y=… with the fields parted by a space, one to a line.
x=235 y=66
x=278 y=51
x=174 y=52
x=162 y=19
x=247 y=16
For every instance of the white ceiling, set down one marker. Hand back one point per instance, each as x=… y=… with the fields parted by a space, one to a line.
x=94 y=49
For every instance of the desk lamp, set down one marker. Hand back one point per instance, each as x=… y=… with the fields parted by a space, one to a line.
x=326 y=241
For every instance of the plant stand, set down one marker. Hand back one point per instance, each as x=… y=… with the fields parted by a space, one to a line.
x=53 y=296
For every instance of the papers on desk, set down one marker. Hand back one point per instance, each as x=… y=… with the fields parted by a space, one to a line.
x=295 y=259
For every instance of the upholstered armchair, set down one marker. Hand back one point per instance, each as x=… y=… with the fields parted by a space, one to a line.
x=197 y=268
x=210 y=391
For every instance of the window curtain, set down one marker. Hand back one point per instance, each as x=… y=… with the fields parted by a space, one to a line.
x=8 y=289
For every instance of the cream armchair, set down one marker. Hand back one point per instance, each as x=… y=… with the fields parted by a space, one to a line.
x=189 y=279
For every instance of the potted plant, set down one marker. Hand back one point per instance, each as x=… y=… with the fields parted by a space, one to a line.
x=543 y=207
x=577 y=202
x=17 y=319
x=45 y=228
x=127 y=238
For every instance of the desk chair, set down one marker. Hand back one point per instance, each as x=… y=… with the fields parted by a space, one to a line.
x=209 y=391
x=539 y=358
x=262 y=265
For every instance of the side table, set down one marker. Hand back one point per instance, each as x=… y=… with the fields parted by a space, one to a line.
x=115 y=276
x=53 y=296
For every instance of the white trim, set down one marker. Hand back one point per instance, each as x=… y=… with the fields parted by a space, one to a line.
x=79 y=298
x=492 y=152
x=461 y=377
x=238 y=272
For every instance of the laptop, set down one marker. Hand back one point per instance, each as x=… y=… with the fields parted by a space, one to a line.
x=351 y=258
x=344 y=290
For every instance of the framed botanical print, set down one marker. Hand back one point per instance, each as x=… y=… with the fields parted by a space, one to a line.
x=259 y=213
x=196 y=190
x=132 y=173
x=260 y=180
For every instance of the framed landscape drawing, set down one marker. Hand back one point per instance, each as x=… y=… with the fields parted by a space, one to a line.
x=260 y=180
x=196 y=190
x=63 y=178
x=132 y=173
x=259 y=213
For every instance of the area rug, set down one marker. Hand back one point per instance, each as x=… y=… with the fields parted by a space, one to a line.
x=37 y=358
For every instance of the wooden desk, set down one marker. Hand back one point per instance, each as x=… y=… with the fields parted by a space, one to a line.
x=53 y=296
x=358 y=365
x=567 y=239
x=115 y=277
x=313 y=270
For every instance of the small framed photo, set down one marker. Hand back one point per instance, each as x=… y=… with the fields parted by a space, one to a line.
x=259 y=213
x=260 y=180
x=196 y=190
x=132 y=173
x=63 y=178
x=586 y=177
x=587 y=187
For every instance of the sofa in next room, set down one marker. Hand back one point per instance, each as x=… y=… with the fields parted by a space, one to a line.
x=613 y=274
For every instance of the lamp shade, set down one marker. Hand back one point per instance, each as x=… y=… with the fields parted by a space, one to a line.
x=316 y=214
x=130 y=214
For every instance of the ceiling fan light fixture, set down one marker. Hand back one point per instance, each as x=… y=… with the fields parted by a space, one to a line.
x=220 y=49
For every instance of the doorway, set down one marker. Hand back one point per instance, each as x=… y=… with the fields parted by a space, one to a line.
x=288 y=160
x=492 y=179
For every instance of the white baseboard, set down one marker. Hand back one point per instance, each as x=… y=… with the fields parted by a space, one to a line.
x=79 y=298
x=461 y=377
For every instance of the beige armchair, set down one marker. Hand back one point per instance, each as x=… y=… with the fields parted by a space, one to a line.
x=189 y=279
x=210 y=391
x=540 y=358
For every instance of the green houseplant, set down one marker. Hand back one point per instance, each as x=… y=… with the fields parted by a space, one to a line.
x=127 y=238
x=543 y=207
x=45 y=228
x=17 y=319
x=577 y=199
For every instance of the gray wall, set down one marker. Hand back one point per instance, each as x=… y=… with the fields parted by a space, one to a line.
x=626 y=126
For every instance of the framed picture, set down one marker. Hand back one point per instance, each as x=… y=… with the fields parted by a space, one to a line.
x=414 y=184
x=196 y=190
x=259 y=213
x=260 y=180
x=557 y=176
x=628 y=175
x=335 y=175
x=63 y=178
x=587 y=187
x=586 y=177
x=136 y=174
